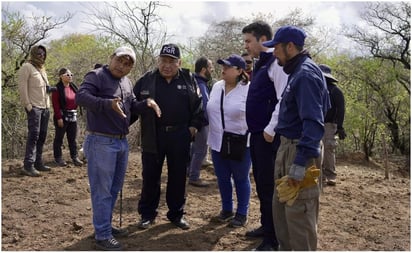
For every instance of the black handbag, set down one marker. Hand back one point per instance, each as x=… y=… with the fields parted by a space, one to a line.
x=233 y=145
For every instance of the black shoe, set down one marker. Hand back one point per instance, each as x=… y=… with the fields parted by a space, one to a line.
x=181 y=223
x=119 y=232
x=257 y=232
x=108 y=245
x=145 y=223
x=77 y=162
x=42 y=167
x=30 y=171
x=239 y=221
x=224 y=216
x=264 y=246
x=60 y=162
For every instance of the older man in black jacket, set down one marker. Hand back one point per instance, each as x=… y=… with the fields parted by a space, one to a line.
x=169 y=136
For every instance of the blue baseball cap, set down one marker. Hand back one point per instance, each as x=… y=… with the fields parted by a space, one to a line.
x=234 y=60
x=287 y=34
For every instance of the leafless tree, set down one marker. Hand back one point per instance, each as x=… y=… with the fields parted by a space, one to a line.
x=135 y=23
x=19 y=35
x=387 y=35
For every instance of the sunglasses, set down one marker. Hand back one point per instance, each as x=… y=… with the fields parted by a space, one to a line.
x=68 y=74
x=248 y=61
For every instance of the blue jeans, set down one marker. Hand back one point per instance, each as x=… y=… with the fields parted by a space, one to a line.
x=106 y=167
x=225 y=170
x=198 y=153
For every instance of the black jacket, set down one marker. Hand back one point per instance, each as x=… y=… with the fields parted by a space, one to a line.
x=146 y=88
x=336 y=114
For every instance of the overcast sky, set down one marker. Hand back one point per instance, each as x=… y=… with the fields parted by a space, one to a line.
x=192 y=18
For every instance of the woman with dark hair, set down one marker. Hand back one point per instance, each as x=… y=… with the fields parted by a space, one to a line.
x=226 y=111
x=65 y=117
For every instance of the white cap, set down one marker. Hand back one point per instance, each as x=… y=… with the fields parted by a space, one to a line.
x=125 y=51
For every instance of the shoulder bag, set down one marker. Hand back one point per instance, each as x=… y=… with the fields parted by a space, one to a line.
x=233 y=145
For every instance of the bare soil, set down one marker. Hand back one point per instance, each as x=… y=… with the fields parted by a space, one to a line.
x=363 y=211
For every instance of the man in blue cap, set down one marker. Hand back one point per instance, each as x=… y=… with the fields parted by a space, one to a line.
x=300 y=125
x=262 y=109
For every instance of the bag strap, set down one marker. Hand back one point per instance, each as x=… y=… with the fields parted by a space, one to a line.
x=44 y=79
x=221 y=109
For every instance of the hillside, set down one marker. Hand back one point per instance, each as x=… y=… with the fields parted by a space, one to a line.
x=53 y=212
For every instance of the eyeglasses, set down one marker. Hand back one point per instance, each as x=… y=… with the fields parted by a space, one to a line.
x=68 y=74
x=249 y=61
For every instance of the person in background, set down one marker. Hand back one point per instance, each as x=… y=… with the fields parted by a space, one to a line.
x=65 y=117
x=333 y=126
x=233 y=90
x=34 y=92
x=249 y=64
x=107 y=95
x=301 y=126
x=203 y=74
x=168 y=137
x=262 y=111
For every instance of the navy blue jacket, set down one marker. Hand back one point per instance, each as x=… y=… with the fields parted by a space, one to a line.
x=261 y=98
x=202 y=84
x=302 y=109
x=336 y=113
x=96 y=93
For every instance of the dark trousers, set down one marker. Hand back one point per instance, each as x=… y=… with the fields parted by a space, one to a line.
x=174 y=146
x=263 y=156
x=37 y=122
x=69 y=128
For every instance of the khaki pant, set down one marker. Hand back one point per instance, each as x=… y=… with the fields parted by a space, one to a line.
x=296 y=225
x=330 y=143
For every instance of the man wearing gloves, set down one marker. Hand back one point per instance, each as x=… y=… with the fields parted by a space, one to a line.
x=300 y=126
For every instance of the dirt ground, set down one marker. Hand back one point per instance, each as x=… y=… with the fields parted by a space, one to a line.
x=53 y=212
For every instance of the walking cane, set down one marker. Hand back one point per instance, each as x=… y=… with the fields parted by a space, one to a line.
x=121 y=207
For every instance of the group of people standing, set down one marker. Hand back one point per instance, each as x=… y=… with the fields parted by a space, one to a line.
x=278 y=98
x=34 y=92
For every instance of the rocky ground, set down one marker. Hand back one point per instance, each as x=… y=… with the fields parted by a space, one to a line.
x=363 y=211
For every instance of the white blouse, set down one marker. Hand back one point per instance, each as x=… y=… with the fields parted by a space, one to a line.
x=234 y=107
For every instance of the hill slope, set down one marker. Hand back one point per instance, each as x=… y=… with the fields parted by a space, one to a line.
x=53 y=212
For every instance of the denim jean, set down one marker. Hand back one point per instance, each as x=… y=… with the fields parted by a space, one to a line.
x=198 y=153
x=37 y=123
x=225 y=170
x=106 y=167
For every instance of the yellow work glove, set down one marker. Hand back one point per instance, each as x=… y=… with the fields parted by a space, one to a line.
x=286 y=193
x=311 y=177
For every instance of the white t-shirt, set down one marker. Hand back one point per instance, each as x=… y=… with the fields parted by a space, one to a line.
x=280 y=79
x=234 y=107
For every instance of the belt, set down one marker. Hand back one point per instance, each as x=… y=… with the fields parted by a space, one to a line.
x=171 y=128
x=115 y=136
